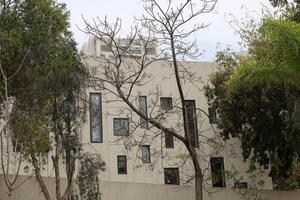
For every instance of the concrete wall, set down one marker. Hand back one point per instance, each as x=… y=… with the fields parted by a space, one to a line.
x=135 y=191
x=161 y=83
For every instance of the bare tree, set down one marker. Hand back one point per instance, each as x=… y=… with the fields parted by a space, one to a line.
x=123 y=72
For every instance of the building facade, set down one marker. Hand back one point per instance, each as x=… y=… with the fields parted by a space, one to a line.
x=136 y=152
x=141 y=160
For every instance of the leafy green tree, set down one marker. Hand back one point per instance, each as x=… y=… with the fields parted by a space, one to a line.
x=88 y=176
x=48 y=88
x=291 y=9
x=260 y=116
x=274 y=57
x=274 y=64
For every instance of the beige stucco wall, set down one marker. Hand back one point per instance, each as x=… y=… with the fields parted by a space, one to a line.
x=161 y=84
x=161 y=77
x=134 y=191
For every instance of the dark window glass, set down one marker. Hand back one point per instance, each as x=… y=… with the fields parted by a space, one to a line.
x=192 y=122
x=143 y=110
x=217 y=172
x=169 y=141
x=122 y=164
x=121 y=126
x=16 y=145
x=241 y=185
x=96 y=117
x=45 y=158
x=105 y=48
x=171 y=176
x=146 y=153
x=166 y=103
x=212 y=115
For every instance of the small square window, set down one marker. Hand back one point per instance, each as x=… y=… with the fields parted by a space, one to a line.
x=122 y=164
x=171 y=176
x=166 y=103
x=241 y=185
x=145 y=153
x=121 y=126
x=169 y=141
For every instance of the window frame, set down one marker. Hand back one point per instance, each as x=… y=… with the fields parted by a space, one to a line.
x=223 y=177
x=118 y=162
x=143 y=123
x=241 y=185
x=148 y=160
x=115 y=119
x=176 y=169
x=101 y=117
x=194 y=117
x=167 y=99
x=212 y=115
x=171 y=137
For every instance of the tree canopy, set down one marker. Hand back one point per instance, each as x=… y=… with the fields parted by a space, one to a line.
x=48 y=88
x=256 y=99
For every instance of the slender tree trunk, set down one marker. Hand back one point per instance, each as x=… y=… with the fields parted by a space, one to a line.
x=198 y=185
x=55 y=161
x=9 y=194
x=70 y=168
x=192 y=151
x=39 y=177
x=198 y=173
x=55 y=158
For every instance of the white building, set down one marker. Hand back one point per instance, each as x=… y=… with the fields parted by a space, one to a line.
x=129 y=157
x=141 y=161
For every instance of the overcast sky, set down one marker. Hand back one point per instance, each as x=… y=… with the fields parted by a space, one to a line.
x=219 y=31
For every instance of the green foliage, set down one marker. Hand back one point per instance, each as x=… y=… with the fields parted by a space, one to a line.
x=254 y=175
x=274 y=57
x=52 y=79
x=88 y=177
x=30 y=130
x=291 y=8
x=260 y=116
x=49 y=87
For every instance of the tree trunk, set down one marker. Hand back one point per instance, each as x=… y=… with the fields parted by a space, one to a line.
x=198 y=186
x=198 y=172
x=39 y=177
x=9 y=194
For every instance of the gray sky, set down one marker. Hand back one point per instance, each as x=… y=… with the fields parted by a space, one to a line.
x=219 y=32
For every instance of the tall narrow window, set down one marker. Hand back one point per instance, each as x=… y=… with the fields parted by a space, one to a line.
x=121 y=126
x=166 y=103
x=212 y=115
x=169 y=141
x=143 y=110
x=217 y=172
x=192 y=122
x=96 y=118
x=122 y=164
x=145 y=153
x=16 y=145
x=171 y=176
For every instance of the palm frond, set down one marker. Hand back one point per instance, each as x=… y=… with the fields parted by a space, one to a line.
x=284 y=37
